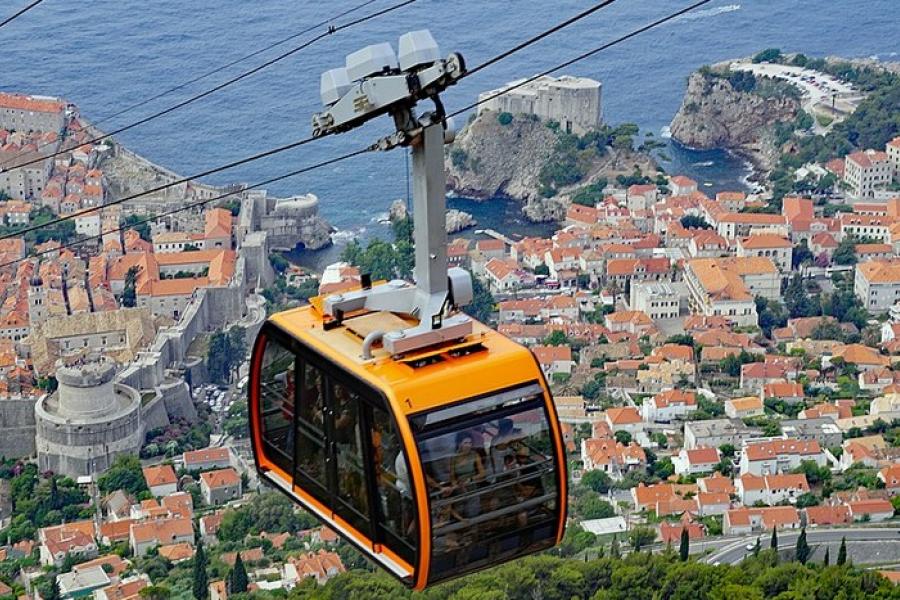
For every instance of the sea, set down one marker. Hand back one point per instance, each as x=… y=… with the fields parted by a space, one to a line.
x=107 y=54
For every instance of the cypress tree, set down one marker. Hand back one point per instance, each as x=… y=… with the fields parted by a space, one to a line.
x=757 y=547
x=54 y=590
x=774 y=543
x=201 y=580
x=684 y=548
x=827 y=559
x=842 y=552
x=802 y=553
x=614 y=548
x=238 y=577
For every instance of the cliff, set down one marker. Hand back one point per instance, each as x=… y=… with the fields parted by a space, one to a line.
x=490 y=159
x=715 y=114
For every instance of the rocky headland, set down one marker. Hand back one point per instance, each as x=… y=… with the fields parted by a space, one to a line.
x=514 y=158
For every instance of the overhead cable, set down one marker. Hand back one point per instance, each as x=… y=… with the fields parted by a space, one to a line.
x=201 y=95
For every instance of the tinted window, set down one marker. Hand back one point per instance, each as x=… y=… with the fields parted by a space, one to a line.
x=492 y=482
x=351 y=476
x=311 y=448
x=395 y=501
x=277 y=385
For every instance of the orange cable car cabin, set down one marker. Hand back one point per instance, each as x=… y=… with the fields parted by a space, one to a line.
x=433 y=464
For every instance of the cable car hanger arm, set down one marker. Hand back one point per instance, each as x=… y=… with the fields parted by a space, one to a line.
x=383 y=85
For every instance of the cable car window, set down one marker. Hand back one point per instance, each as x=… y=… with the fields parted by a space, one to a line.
x=395 y=501
x=351 y=476
x=491 y=481
x=277 y=386
x=311 y=448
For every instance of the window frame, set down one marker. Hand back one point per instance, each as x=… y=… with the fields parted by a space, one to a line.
x=424 y=432
x=369 y=398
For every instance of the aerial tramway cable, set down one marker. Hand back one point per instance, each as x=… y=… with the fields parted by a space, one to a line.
x=197 y=204
x=19 y=13
x=578 y=58
x=224 y=84
x=305 y=141
x=227 y=65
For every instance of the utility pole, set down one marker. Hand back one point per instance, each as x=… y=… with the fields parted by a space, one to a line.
x=374 y=83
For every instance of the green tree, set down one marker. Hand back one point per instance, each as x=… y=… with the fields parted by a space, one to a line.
x=623 y=437
x=599 y=482
x=802 y=550
x=797 y=301
x=641 y=536
x=771 y=314
x=557 y=338
x=54 y=593
x=768 y=55
x=589 y=505
x=845 y=253
x=129 y=293
x=614 y=551
x=155 y=592
x=827 y=559
x=505 y=118
x=124 y=474
x=842 y=552
x=757 y=546
x=238 y=580
x=217 y=359
x=694 y=222
x=684 y=548
x=201 y=579
x=482 y=304
x=774 y=542
x=279 y=263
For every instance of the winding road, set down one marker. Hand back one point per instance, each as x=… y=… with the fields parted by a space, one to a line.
x=861 y=542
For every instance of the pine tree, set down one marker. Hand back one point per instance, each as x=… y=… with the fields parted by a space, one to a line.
x=757 y=547
x=774 y=543
x=684 y=548
x=614 y=548
x=238 y=579
x=53 y=593
x=201 y=580
x=827 y=559
x=802 y=553
x=842 y=552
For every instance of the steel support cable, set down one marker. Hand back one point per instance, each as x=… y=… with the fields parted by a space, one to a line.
x=234 y=62
x=218 y=87
x=493 y=60
x=19 y=13
x=164 y=186
x=193 y=205
x=578 y=58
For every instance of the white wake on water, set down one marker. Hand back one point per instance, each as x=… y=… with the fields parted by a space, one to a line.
x=709 y=12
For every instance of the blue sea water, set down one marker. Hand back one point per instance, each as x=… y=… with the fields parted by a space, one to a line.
x=106 y=54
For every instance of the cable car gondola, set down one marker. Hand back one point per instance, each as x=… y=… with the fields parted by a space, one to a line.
x=421 y=436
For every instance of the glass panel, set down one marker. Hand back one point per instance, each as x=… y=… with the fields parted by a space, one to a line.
x=492 y=488
x=397 y=518
x=351 y=476
x=277 y=403
x=311 y=446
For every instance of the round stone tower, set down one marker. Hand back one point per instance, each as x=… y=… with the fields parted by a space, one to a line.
x=88 y=420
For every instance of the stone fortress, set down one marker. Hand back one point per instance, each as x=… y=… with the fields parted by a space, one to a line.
x=574 y=102
x=89 y=420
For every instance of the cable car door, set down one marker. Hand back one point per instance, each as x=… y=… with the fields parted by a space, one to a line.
x=330 y=451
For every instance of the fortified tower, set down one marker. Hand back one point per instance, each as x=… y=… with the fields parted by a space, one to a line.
x=37 y=302
x=88 y=420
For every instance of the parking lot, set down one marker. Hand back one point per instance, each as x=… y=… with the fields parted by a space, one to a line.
x=820 y=91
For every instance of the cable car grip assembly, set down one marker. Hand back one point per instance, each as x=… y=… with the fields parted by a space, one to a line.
x=374 y=82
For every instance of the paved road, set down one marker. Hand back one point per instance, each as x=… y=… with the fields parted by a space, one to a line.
x=878 y=537
x=820 y=92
